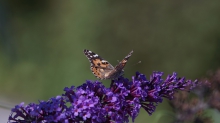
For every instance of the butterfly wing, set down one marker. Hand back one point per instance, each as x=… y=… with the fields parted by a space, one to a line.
x=99 y=67
x=118 y=71
x=122 y=64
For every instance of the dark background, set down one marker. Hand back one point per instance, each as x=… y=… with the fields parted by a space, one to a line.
x=42 y=42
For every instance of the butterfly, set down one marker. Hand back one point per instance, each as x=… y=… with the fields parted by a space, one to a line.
x=102 y=69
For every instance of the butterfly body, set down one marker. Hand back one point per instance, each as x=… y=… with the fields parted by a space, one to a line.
x=102 y=69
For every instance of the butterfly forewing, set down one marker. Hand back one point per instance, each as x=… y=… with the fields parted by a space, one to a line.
x=98 y=65
x=119 y=68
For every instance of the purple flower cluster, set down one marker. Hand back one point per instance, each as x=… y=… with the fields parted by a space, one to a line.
x=92 y=102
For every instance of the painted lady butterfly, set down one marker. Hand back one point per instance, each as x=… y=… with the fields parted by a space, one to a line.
x=102 y=69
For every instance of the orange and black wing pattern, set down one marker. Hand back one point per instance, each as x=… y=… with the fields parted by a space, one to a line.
x=98 y=65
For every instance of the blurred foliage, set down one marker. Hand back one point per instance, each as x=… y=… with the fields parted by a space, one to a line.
x=41 y=42
x=203 y=105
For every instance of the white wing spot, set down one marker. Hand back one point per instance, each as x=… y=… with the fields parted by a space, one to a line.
x=95 y=55
x=104 y=61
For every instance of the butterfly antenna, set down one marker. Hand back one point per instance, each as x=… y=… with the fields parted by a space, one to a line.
x=135 y=64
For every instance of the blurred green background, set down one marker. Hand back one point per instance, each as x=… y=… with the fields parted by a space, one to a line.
x=42 y=42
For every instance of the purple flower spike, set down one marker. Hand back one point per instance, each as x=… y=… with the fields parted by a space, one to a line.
x=92 y=102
